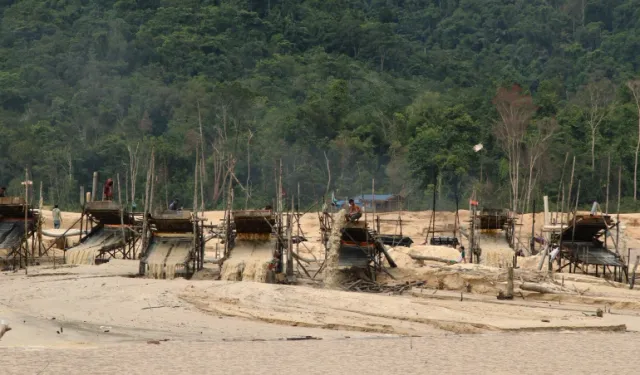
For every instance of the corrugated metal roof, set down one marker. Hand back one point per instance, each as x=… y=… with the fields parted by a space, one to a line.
x=378 y=197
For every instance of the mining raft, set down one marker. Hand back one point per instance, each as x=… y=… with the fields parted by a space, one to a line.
x=361 y=249
x=584 y=246
x=173 y=245
x=261 y=233
x=107 y=230
x=18 y=226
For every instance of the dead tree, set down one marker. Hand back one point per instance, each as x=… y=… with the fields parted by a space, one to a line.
x=248 y=184
x=515 y=110
x=634 y=87
x=537 y=144
x=133 y=168
x=596 y=97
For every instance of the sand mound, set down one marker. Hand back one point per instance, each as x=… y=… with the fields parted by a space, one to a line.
x=444 y=252
x=249 y=261
x=401 y=256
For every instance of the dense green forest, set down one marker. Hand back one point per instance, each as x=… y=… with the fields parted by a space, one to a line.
x=396 y=90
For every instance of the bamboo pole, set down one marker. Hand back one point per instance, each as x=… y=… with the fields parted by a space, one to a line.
x=618 y=215
x=26 y=222
x=573 y=232
x=633 y=273
x=145 y=212
x=373 y=197
x=126 y=191
x=606 y=205
x=533 y=228
x=290 y=243
x=573 y=167
x=40 y=221
x=561 y=185
x=153 y=183
x=195 y=206
x=124 y=238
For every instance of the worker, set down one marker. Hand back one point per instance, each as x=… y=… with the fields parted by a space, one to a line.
x=355 y=212
x=463 y=255
x=174 y=205
x=107 y=192
x=57 y=217
x=594 y=208
x=3 y=192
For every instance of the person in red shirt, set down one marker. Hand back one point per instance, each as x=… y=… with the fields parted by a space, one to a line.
x=107 y=192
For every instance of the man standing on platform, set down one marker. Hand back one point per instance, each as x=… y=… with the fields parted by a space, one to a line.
x=108 y=190
x=57 y=217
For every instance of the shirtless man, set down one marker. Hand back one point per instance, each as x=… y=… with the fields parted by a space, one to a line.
x=354 y=211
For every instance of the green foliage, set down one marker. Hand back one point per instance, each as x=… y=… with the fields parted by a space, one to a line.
x=390 y=90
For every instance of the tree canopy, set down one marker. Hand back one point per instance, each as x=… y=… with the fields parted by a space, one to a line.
x=388 y=89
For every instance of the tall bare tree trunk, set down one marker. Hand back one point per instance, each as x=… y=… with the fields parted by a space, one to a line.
x=593 y=149
x=634 y=87
x=635 y=167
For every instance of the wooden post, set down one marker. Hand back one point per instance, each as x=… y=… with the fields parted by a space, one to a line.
x=562 y=225
x=195 y=207
x=153 y=183
x=290 y=242
x=373 y=197
x=561 y=185
x=456 y=219
x=81 y=194
x=472 y=232
x=40 y=221
x=533 y=228
x=606 y=205
x=633 y=273
x=124 y=238
x=510 y=282
x=618 y=215
x=145 y=213
x=570 y=187
x=545 y=201
x=126 y=191
x=26 y=220
x=94 y=187
x=573 y=233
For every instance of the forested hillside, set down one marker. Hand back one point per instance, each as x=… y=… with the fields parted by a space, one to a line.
x=388 y=89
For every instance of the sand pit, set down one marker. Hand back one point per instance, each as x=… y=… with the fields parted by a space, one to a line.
x=249 y=261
